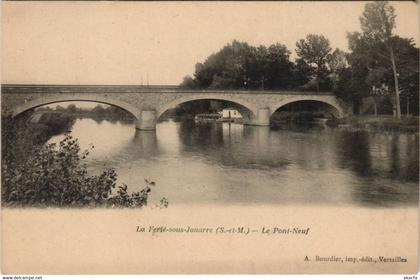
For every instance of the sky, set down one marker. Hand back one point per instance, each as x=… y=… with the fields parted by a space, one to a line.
x=160 y=42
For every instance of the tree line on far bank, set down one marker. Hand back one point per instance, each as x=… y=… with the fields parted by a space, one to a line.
x=379 y=64
x=98 y=111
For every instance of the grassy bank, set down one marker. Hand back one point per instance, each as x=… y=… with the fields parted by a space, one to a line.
x=381 y=123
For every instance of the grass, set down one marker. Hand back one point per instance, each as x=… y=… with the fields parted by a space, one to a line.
x=384 y=123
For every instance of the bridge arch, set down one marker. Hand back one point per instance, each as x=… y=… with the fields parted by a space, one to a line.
x=42 y=101
x=329 y=101
x=248 y=111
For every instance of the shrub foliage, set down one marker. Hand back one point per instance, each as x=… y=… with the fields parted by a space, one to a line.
x=55 y=175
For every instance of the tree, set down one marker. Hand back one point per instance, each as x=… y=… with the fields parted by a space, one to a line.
x=71 y=108
x=377 y=23
x=350 y=81
x=59 y=108
x=407 y=61
x=98 y=110
x=222 y=68
x=336 y=62
x=257 y=67
x=269 y=68
x=188 y=83
x=279 y=67
x=314 y=51
x=410 y=92
x=369 y=64
x=302 y=73
x=241 y=66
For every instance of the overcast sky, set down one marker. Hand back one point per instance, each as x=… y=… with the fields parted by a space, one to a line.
x=126 y=42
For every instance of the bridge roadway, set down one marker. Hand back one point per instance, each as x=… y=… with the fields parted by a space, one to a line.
x=148 y=103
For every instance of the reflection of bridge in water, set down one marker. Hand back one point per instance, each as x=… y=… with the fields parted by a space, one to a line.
x=147 y=104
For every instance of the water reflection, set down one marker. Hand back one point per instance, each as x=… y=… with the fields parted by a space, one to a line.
x=143 y=145
x=227 y=163
x=395 y=155
x=232 y=133
x=104 y=139
x=384 y=172
x=354 y=152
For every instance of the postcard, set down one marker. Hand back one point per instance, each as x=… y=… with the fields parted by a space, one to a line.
x=209 y=137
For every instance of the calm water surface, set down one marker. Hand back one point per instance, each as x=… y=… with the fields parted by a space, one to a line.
x=215 y=163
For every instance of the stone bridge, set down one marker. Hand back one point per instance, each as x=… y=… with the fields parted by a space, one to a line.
x=148 y=103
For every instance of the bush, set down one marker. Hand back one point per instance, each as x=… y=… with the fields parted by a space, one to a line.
x=44 y=175
x=55 y=176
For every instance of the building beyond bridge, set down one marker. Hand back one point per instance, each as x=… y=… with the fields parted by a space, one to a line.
x=147 y=104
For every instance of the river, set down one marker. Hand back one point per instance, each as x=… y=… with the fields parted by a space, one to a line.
x=233 y=164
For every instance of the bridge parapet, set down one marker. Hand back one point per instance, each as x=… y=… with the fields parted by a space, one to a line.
x=104 y=89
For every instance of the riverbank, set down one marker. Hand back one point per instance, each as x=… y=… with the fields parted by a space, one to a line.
x=370 y=123
x=380 y=123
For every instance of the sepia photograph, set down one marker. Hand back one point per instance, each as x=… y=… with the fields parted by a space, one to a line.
x=173 y=137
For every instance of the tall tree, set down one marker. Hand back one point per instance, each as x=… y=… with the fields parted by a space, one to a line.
x=336 y=62
x=241 y=66
x=302 y=73
x=224 y=69
x=279 y=66
x=314 y=51
x=407 y=61
x=377 y=23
